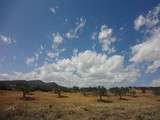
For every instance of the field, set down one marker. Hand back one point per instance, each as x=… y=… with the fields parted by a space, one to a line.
x=75 y=106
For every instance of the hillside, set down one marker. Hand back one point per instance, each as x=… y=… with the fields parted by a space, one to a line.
x=32 y=84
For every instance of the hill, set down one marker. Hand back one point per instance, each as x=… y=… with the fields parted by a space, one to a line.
x=32 y=84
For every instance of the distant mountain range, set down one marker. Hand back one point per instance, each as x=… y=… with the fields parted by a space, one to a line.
x=32 y=84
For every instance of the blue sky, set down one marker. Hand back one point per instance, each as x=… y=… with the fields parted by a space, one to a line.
x=43 y=39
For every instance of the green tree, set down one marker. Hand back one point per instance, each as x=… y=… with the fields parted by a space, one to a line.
x=132 y=92
x=75 y=89
x=143 y=90
x=24 y=88
x=156 y=91
x=58 y=91
x=101 y=92
x=119 y=91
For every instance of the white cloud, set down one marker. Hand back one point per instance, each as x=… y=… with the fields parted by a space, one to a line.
x=41 y=50
x=6 y=40
x=74 y=33
x=5 y=76
x=94 y=36
x=30 y=60
x=55 y=51
x=88 y=68
x=149 y=50
x=149 y=21
x=53 y=9
x=155 y=83
x=35 y=58
x=121 y=28
x=106 y=39
x=52 y=54
x=75 y=52
x=57 y=38
x=139 y=22
x=153 y=67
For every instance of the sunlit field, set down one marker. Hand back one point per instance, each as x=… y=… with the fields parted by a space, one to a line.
x=75 y=106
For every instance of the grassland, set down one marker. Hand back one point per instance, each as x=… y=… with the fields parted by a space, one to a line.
x=75 y=106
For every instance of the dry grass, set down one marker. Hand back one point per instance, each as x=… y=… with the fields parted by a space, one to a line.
x=75 y=106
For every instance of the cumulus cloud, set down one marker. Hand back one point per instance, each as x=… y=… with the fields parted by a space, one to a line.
x=6 y=40
x=74 y=33
x=149 y=50
x=88 y=68
x=106 y=39
x=153 y=67
x=155 y=83
x=5 y=76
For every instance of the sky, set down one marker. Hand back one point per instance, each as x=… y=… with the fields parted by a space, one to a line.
x=81 y=43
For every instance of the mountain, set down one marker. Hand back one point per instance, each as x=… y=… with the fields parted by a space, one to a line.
x=32 y=84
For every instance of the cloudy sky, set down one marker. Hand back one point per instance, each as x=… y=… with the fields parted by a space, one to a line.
x=81 y=42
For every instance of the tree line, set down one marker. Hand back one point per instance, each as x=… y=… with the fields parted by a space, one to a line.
x=27 y=87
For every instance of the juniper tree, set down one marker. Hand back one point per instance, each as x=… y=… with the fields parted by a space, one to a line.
x=58 y=91
x=24 y=88
x=156 y=91
x=132 y=92
x=119 y=91
x=143 y=90
x=101 y=92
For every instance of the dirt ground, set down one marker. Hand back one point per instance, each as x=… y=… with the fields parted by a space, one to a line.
x=75 y=106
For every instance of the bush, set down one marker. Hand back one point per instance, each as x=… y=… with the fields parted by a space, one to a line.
x=156 y=91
